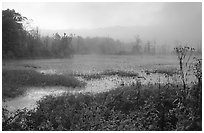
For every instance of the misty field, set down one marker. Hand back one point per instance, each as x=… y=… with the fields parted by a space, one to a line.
x=98 y=92
x=104 y=66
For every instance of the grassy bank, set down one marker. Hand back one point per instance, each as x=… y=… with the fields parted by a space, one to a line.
x=166 y=71
x=149 y=107
x=13 y=81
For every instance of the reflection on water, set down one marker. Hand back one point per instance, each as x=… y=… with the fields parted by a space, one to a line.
x=34 y=94
x=48 y=72
x=30 y=98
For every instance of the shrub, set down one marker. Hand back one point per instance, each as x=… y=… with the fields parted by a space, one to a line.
x=121 y=109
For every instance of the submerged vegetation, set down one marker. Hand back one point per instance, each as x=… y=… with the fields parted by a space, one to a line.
x=108 y=73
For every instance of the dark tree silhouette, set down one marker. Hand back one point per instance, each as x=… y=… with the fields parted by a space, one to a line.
x=17 y=42
x=12 y=32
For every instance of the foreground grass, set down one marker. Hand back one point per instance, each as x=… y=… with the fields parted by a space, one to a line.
x=13 y=81
x=150 y=107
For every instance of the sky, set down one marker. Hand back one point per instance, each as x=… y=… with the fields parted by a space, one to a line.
x=160 y=21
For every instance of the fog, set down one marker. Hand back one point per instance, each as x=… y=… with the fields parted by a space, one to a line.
x=163 y=22
x=101 y=66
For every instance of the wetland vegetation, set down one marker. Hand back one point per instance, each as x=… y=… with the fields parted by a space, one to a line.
x=135 y=106
x=74 y=83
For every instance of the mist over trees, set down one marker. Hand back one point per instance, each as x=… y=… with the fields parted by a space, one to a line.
x=20 y=42
x=107 y=45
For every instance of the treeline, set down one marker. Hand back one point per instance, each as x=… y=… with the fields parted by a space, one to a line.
x=17 y=42
x=96 y=45
x=21 y=42
x=106 y=45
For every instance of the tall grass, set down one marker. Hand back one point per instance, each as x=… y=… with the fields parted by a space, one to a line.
x=13 y=81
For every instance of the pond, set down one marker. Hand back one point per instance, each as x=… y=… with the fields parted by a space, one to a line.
x=90 y=65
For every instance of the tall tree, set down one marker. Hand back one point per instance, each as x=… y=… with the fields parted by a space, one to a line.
x=12 y=32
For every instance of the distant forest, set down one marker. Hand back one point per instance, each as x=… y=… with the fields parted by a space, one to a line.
x=18 y=41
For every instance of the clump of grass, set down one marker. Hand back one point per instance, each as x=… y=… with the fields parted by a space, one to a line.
x=90 y=76
x=169 y=72
x=14 y=80
x=108 y=73
x=120 y=73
